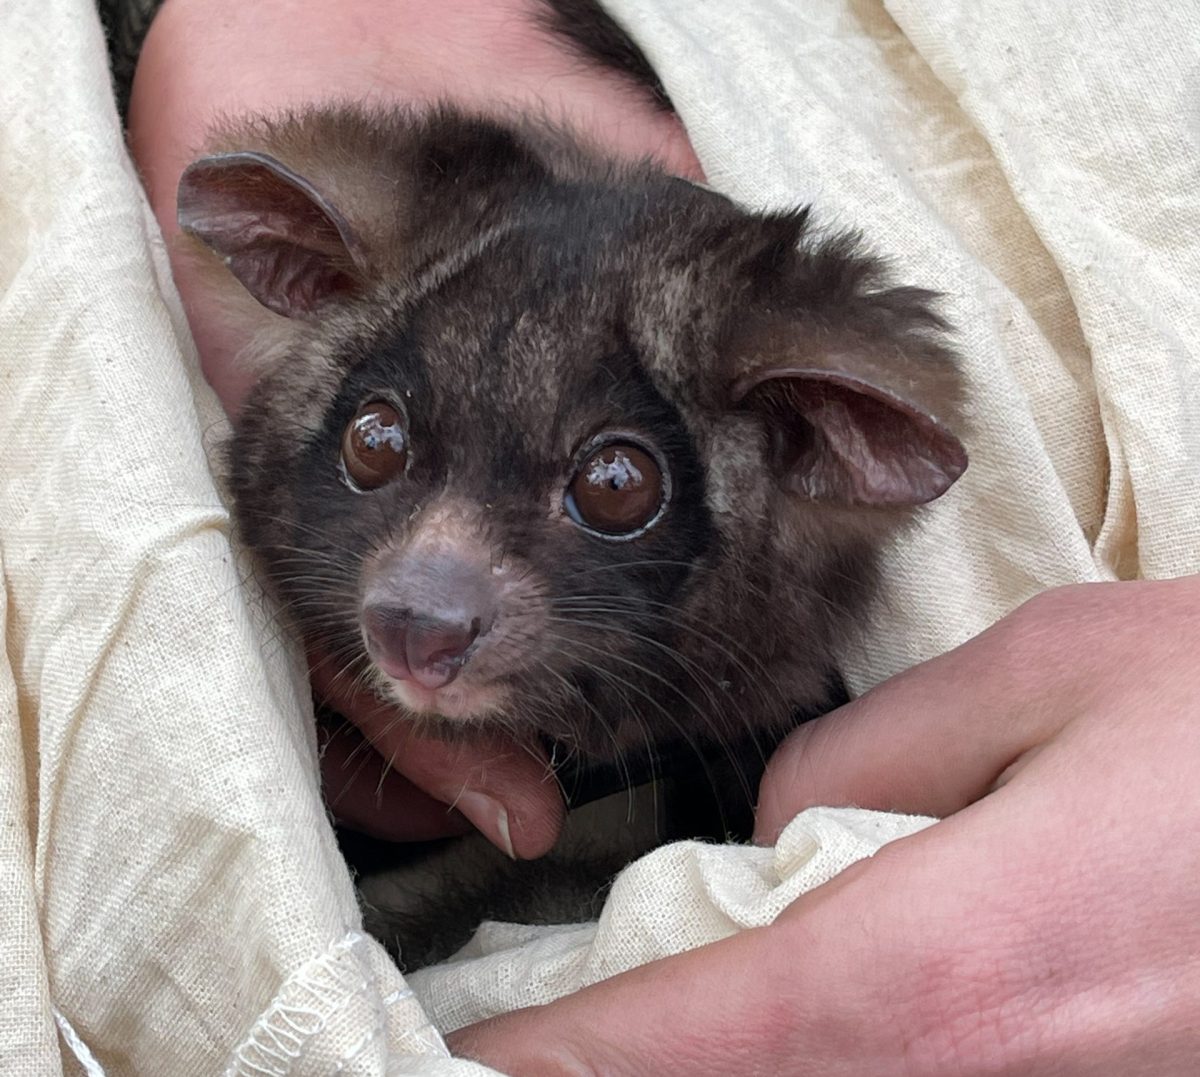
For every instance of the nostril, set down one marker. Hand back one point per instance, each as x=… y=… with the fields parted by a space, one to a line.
x=425 y=649
x=386 y=630
x=436 y=649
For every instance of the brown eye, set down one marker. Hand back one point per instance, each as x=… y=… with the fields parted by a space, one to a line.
x=375 y=445
x=617 y=491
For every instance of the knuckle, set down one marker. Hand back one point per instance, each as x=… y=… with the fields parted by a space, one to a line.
x=964 y=1016
x=1038 y=620
x=1056 y=629
x=1077 y=630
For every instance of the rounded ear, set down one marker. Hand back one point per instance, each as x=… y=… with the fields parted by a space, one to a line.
x=280 y=237
x=840 y=437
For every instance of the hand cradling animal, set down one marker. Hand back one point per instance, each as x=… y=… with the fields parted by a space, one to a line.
x=566 y=447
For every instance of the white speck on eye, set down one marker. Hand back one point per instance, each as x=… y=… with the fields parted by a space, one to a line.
x=616 y=472
x=375 y=434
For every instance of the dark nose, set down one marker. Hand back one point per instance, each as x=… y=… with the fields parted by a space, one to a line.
x=418 y=647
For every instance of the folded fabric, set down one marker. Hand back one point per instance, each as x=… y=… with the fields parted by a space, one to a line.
x=674 y=899
x=174 y=898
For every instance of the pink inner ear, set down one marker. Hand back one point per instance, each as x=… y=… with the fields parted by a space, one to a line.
x=844 y=440
x=286 y=244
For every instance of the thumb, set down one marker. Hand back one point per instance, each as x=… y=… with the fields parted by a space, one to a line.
x=837 y=985
x=928 y=741
x=504 y=788
x=693 y=1013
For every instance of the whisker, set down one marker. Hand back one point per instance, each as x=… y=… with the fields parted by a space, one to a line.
x=707 y=634
x=718 y=732
x=670 y=718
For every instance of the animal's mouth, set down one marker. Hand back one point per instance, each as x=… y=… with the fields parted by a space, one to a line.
x=458 y=701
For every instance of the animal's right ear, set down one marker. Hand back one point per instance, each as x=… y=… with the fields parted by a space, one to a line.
x=284 y=241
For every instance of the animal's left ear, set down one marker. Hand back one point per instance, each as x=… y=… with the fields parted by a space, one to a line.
x=851 y=423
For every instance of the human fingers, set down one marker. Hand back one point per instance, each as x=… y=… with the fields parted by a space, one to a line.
x=845 y=984
x=505 y=789
x=939 y=735
x=366 y=795
x=1016 y=937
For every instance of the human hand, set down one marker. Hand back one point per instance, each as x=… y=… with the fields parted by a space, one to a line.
x=405 y=786
x=1049 y=925
x=204 y=58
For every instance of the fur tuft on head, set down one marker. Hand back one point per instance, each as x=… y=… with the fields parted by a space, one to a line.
x=678 y=432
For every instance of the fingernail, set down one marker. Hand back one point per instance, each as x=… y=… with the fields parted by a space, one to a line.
x=490 y=817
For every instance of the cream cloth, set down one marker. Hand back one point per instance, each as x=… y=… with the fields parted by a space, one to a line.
x=173 y=897
x=174 y=902
x=671 y=900
x=1039 y=164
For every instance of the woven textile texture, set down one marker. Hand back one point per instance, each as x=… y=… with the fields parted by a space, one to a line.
x=174 y=899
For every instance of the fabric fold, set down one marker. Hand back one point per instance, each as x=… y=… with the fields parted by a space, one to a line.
x=175 y=898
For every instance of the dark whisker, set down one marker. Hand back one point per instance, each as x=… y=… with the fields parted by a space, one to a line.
x=670 y=718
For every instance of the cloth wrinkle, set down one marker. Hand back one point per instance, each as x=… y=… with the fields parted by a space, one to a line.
x=172 y=881
x=309 y=1002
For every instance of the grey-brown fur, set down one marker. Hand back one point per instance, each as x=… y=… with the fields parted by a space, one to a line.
x=518 y=291
x=534 y=280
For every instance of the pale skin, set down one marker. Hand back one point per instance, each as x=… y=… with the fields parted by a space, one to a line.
x=1050 y=925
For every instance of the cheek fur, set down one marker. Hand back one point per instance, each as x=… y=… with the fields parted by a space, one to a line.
x=738 y=483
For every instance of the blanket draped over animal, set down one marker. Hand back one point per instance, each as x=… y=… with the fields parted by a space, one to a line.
x=175 y=901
